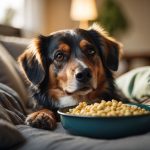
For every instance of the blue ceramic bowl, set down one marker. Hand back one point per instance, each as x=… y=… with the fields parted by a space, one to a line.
x=105 y=127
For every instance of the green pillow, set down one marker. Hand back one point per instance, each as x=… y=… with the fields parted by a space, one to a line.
x=136 y=84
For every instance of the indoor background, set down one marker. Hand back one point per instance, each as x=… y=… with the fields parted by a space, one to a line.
x=127 y=20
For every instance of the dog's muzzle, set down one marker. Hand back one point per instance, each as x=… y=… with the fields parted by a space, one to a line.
x=81 y=83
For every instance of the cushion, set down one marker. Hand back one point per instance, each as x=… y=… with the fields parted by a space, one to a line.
x=9 y=135
x=15 y=46
x=37 y=139
x=11 y=106
x=11 y=112
x=136 y=84
x=9 y=74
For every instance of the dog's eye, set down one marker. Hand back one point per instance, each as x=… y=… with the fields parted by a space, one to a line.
x=59 y=56
x=91 y=52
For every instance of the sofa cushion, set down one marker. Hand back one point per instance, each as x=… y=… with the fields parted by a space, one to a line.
x=12 y=111
x=12 y=108
x=15 y=46
x=9 y=74
x=9 y=135
x=37 y=139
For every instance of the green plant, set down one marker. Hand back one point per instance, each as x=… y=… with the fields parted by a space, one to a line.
x=112 y=18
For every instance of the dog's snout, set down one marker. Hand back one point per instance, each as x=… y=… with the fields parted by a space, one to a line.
x=84 y=75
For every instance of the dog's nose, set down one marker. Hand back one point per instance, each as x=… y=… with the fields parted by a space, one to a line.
x=84 y=75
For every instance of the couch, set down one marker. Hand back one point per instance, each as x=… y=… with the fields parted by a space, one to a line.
x=14 y=104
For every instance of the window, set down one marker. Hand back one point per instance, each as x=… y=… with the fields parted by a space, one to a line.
x=12 y=13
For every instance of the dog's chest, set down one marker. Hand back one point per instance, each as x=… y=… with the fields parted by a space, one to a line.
x=67 y=101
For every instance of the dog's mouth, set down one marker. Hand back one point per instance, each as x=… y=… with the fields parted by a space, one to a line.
x=81 y=91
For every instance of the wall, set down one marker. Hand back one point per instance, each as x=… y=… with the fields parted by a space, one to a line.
x=58 y=15
x=55 y=15
x=138 y=37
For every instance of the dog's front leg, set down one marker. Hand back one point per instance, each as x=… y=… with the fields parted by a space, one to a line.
x=43 y=119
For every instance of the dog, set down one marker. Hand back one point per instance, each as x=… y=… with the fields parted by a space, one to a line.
x=68 y=67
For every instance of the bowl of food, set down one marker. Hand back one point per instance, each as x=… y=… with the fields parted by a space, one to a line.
x=108 y=120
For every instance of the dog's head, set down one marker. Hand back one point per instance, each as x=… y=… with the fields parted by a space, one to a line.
x=72 y=62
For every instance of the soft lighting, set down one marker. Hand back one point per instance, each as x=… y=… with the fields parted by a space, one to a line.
x=83 y=10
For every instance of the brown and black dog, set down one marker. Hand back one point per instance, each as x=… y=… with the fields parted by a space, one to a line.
x=67 y=67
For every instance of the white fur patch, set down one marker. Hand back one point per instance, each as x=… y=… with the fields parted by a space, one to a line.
x=67 y=101
x=72 y=87
x=72 y=32
x=81 y=63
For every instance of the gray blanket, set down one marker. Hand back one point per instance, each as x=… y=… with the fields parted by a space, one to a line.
x=11 y=107
x=12 y=113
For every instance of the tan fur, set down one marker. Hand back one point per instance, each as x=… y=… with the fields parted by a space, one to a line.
x=83 y=43
x=64 y=47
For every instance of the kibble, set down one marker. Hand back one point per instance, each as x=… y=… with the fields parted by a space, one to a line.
x=107 y=109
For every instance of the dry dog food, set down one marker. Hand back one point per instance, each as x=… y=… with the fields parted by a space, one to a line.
x=107 y=109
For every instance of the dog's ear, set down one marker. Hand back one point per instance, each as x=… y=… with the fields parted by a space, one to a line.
x=108 y=47
x=32 y=60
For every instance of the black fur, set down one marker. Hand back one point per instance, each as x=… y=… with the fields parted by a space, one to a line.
x=38 y=73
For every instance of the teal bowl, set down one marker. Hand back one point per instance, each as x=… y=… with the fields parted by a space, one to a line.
x=105 y=127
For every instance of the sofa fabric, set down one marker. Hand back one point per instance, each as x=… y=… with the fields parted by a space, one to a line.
x=12 y=112
x=12 y=108
x=9 y=74
x=37 y=139
x=14 y=45
x=9 y=135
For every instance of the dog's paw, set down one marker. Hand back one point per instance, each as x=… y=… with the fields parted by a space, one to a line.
x=43 y=119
